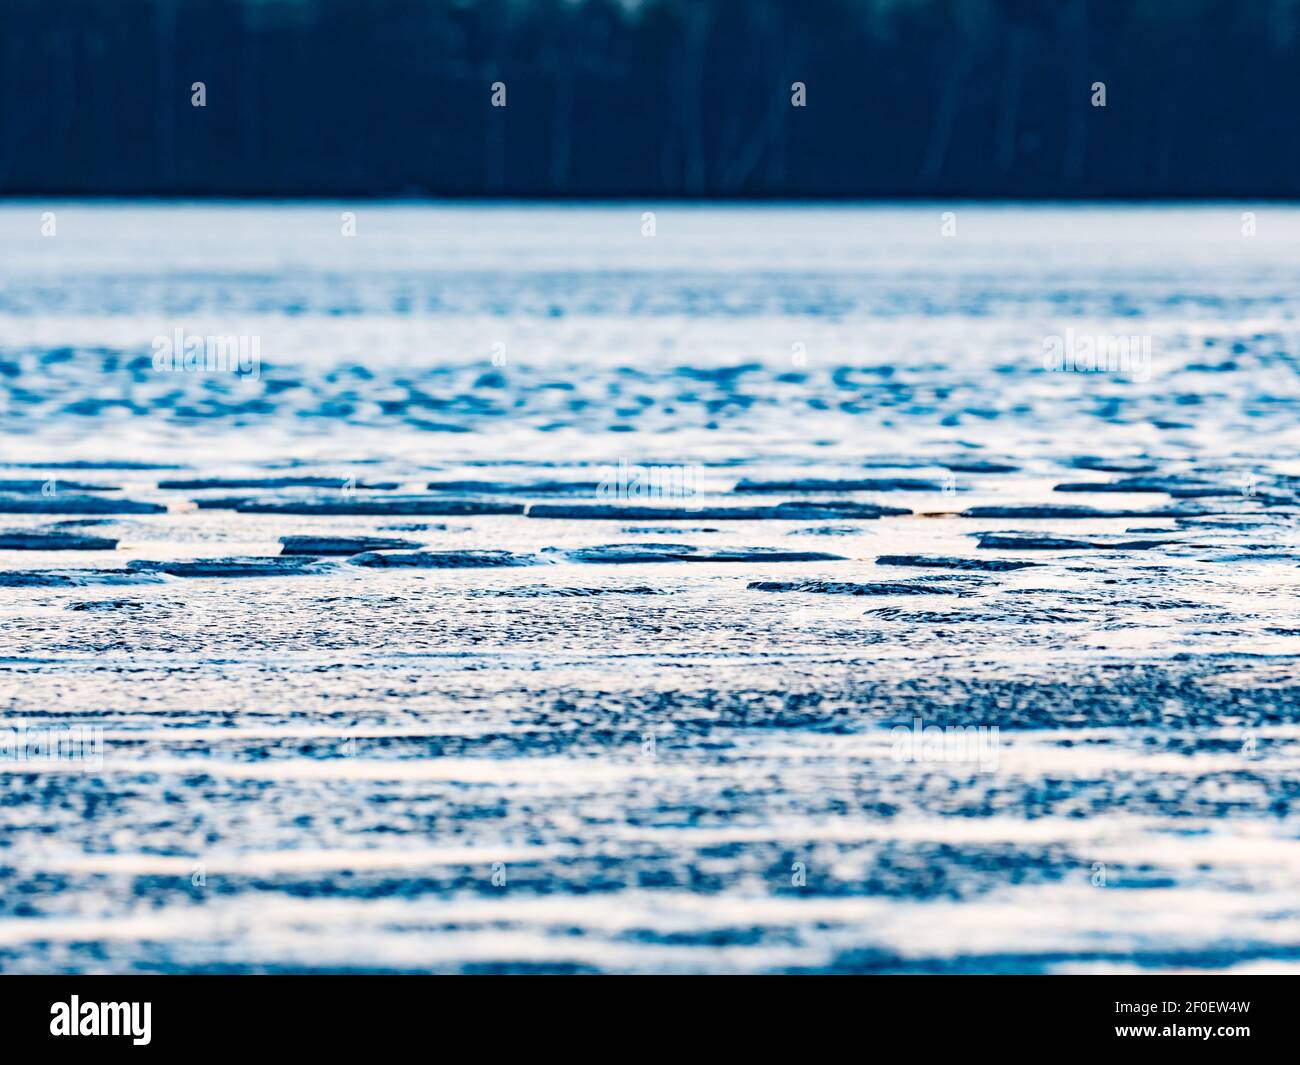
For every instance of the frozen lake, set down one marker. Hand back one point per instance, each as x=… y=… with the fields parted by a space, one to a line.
x=1029 y=473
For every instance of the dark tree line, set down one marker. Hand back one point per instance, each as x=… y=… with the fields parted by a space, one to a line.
x=613 y=98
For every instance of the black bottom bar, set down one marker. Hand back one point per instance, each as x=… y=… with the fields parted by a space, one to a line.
x=338 y=1014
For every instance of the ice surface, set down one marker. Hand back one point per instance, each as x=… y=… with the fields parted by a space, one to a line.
x=403 y=761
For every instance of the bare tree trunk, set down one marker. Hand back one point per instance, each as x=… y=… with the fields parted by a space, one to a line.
x=746 y=155
x=562 y=128
x=165 y=104
x=691 y=96
x=941 y=128
x=249 y=137
x=494 y=140
x=1009 y=110
x=1076 y=135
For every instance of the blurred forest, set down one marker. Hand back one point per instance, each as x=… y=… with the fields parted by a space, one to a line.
x=650 y=98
